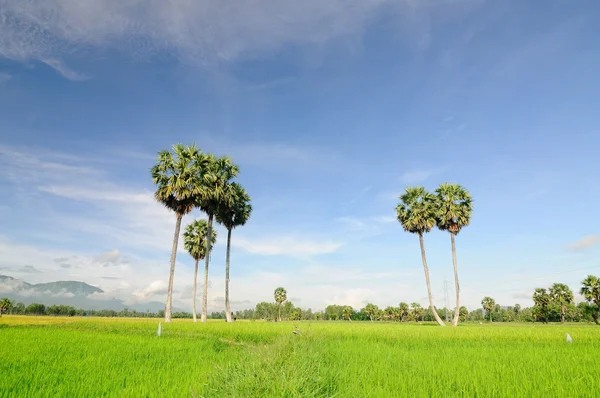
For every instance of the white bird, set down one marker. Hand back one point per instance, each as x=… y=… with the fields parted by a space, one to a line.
x=569 y=339
x=159 y=328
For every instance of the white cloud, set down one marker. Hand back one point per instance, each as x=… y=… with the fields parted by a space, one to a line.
x=112 y=257
x=585 y=243
x=199 y=30
x=156 y=288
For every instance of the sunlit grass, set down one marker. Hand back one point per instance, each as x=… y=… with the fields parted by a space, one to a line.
x=46 y=356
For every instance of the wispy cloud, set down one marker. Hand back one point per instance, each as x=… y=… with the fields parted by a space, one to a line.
x=585 y=243
x=201 y=31
x=64 y=70
x=29 y=269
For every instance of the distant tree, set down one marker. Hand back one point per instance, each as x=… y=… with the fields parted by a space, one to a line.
x=517 y=311
x=215 y=194
x=371 y=310
x=177 y=179
x=232 y=213
x=18 y=309
x=488 y=304
x=347 y=312
x=403 y=311
x=542 y=300
x=454 y=209
x=590 y=290
x=417 y=214
x=5 y=305
x=463 y=313
x=389 y=313
x=562 y=295
x=194 y=241
x=280 y=295
x=35 y=309
x=417 y=311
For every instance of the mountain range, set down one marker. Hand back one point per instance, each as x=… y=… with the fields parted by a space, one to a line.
x=74 y=293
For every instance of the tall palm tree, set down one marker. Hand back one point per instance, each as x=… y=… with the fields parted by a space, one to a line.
x=230 y=217
x=194 y=241
x=590 y=290
x=177 y=177
x=215 y=186
x=280 y=296
x=416 y=212
x=488 y=305
x=541 y=299
x=454 y=209
x=563 y=295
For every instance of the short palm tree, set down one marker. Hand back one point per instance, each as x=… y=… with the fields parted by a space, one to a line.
x=230 y=217
x=178 y=186
x=416 y=310
x=542 y=299
x=562 y=294
x=403 y=311
x=347 y=313
x=194 y=241
x=488 y=305
x=590 y=290
x=416 y=212
x=280 y=296
x=5 y=305
x=454 y=209
x=216 y=181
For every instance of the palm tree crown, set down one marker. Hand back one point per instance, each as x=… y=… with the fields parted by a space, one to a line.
x=176 y=176
x=416 y=210
x=280 y=295
x=590 y=289
x=215 y=185
x=454 y=207
x=238 y=213
x=194 y=239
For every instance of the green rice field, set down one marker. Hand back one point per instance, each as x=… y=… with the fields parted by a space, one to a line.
x=80 y=357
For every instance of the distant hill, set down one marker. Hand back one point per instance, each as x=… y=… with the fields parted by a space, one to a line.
x=69 y=288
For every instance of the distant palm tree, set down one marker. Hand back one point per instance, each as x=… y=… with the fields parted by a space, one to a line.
x=454 y=209
x=517 y=310
x=194 y=241
x=280 y=296
x=403 y=311
x=5 y=305
x=233 y=216
x=177 y=177
x=590 y=290
x=541 y=298
x=416 y=212
x=371 y=310
x=488 y=304
x=214 y=195
x=347 y=313
x=563 y=295
x=416 y=310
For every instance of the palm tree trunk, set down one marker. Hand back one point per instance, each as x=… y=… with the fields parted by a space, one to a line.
x=562 y=313
x=279 y=313
x=424 y=258
x=207 y=259
x=456 y=284
x=172 y=270
x=194 y=298
x=227 y=309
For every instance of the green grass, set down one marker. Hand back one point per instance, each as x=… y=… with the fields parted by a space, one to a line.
x=67 y=357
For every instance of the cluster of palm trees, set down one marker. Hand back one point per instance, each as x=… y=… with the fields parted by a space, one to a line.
x=450 y=209
x=187 y=178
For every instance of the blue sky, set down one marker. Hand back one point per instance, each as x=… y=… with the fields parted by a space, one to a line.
x=331 y=109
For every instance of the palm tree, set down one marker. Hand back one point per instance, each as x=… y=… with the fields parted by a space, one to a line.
x=563 y=295
x=177 y=177
x=403 y=311
x=231 y=217
x=371 y=310
x=194 y=241
x=541 y=298
x=347 y=312
x=215 y=193
x=5 y=305
x=416 y=310
x=488 y=304
x=590 y=290
x=517 y=310
x=280 y=296
x=454 y=209
x=416 y=213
